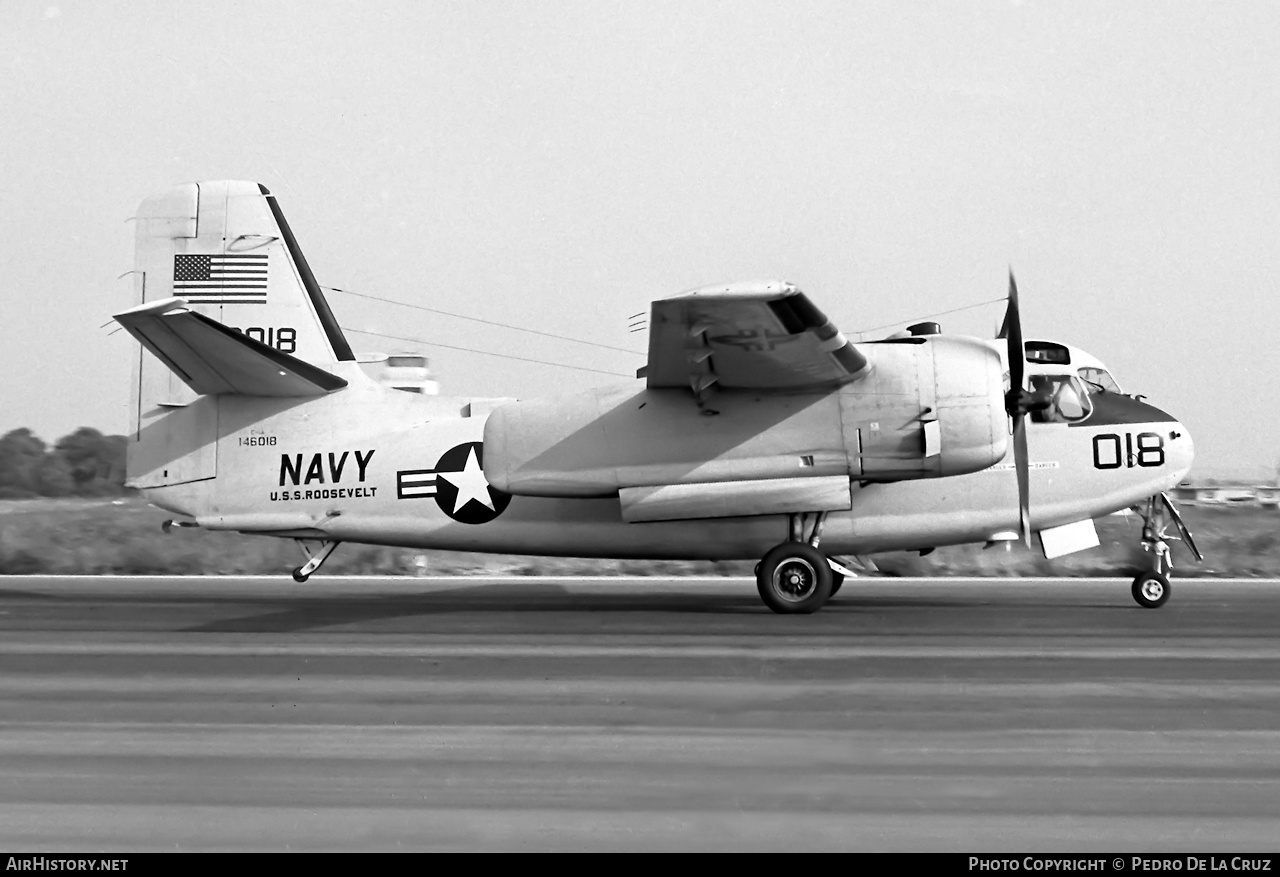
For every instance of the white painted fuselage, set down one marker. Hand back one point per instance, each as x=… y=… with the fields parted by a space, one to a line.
x=376 y=466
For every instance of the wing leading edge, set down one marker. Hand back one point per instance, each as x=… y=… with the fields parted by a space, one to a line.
x=210 y=358
x=747 y=336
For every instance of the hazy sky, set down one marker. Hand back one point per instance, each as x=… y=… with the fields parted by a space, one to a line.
x=558 y=165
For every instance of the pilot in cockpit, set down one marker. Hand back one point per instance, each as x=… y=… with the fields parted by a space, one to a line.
x=1068 y=402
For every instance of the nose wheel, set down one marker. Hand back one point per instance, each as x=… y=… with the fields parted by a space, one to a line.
x=1151 y=589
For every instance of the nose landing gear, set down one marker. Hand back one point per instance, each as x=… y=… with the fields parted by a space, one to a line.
x=1152 y=587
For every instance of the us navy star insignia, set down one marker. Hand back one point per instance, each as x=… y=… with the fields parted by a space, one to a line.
x=470 y=484
x=461 y=490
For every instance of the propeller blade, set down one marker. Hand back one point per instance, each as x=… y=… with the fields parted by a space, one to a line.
x=1012 y=330
x=1016 y=403
x=1024 y=477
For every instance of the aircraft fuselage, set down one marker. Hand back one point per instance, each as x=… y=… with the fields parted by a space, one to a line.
x=331 y=468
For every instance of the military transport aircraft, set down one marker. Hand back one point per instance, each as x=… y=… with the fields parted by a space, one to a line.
x=755 y=430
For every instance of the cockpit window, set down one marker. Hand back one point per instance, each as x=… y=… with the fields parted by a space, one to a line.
x=1047 y=352
x=1067 y=396
x=1099 y=380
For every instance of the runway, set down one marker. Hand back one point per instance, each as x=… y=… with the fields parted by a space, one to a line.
x=1048 y=715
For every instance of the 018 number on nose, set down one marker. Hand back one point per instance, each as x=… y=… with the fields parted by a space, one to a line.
x=1110 y=451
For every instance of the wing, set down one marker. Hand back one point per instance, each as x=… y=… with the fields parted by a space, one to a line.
x=210 y=358
x=747 y=336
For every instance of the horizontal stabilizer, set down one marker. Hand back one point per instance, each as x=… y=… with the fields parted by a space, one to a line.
x=211 y=358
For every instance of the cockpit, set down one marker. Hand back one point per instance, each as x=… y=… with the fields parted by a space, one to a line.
x=1050 y=357
x=1067 y=378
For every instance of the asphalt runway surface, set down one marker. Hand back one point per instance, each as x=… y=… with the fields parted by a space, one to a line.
x=966 y=715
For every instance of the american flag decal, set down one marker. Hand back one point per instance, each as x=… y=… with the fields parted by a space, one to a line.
x=221 y=279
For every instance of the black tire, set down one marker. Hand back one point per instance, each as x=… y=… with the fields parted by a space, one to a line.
x=1151 y=589
x=298 y=576
x=837 y=579
x=794 y=579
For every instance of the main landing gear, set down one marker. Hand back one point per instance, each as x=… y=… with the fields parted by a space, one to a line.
x=795 y=577
x=1152 y=587
x=315 y=557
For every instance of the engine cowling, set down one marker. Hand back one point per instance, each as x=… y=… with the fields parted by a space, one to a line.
x=932 y=406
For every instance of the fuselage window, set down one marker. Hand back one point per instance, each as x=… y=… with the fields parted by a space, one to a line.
x=1068 y=399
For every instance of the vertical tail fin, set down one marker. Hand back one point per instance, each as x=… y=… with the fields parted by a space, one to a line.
x=225 y=248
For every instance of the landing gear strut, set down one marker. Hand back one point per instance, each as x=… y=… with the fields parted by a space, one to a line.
x=315 y=558
x=795 y=577
x=1152 y=587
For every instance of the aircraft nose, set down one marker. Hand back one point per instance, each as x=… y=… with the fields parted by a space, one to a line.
x=1167 y=446
x=1182 y=450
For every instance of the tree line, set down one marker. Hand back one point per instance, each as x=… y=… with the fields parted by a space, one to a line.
x=83 y=463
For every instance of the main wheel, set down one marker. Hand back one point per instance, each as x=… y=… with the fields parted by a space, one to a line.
x=794 y=578
x=837 y=579
x=1151 y=589
x=298 y=576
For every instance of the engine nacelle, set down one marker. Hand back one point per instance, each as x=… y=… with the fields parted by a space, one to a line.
x=930 y=406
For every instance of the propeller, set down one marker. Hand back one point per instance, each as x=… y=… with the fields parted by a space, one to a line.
x=1018 y=402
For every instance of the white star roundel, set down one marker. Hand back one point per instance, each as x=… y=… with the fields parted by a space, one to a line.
x=461 y=491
